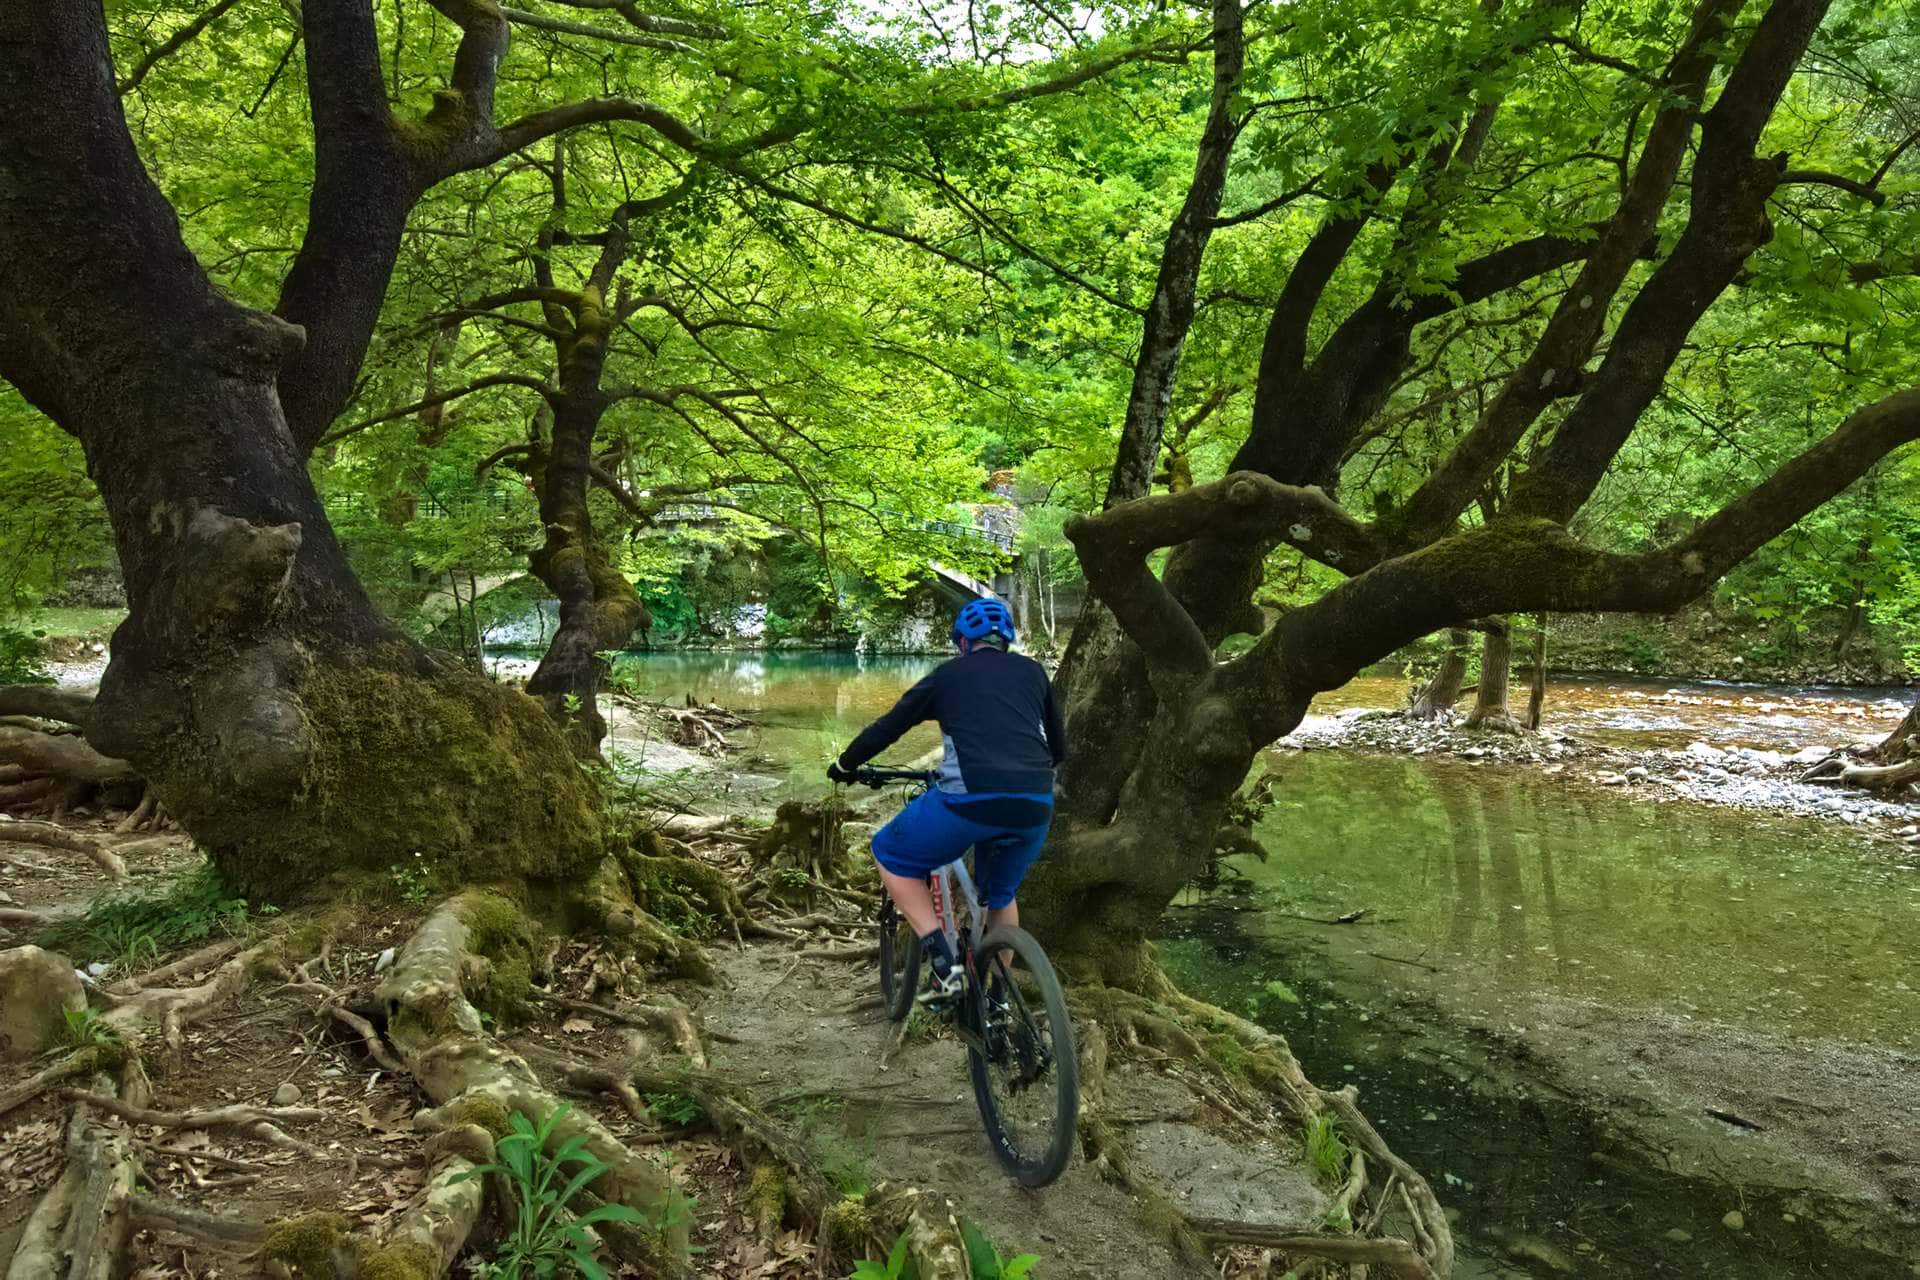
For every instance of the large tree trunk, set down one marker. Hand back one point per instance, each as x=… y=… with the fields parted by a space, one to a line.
x=1439 y=694
x=1491 y=707
x=1904 y=741
x=290 y=729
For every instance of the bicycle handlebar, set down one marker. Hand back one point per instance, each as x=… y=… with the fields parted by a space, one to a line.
x=877 y=778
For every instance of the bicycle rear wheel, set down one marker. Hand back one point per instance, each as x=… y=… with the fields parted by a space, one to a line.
x=1027 y=1081
x=899 y=961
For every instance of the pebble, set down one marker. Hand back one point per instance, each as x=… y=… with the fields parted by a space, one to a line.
x=1734 y=1221
x=287 y=1095
x=1679 y=1235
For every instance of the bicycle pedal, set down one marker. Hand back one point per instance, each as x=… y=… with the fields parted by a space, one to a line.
x=939 y=997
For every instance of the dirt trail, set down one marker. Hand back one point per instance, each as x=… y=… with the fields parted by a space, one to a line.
x=914 y=1120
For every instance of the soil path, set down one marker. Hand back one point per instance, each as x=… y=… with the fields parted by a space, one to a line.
x=914 y=1121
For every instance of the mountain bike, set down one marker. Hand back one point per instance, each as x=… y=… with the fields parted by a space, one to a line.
x=1010 y=1013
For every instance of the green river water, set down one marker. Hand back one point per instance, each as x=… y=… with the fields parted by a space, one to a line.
x=1489 y=890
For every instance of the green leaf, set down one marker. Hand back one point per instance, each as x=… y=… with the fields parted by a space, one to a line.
x=1020 y=1267
x=982 y=1262
x=610 y=1213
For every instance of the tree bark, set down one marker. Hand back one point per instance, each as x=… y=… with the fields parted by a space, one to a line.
x=599 y=609
x=1491 y=709
x=1902 y=742
x=1537 y=696
x=1443 y=690
x=279 y=718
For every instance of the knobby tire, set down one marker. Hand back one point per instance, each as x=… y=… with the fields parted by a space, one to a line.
x=1061 y=1079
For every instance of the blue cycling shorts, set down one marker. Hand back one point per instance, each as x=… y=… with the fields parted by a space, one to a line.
x=937 y=827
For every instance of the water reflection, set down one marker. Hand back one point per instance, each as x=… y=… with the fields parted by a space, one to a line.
x=806 y=705
x=1780 y=924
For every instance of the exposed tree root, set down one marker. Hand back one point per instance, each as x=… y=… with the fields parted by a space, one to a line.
x=438 y=1034
x=80 y=1227
x=193 y=962
x=159 y=1212
x=1836 y=770
x=1496 y=722
x=37 y=1255
x=1397 y=1256
x=1244 y=1057
x=803 y=854
x=49 y=836
x=31 y=791
x=681 y=889
x=174 y=1009
x=435 y=1226
x=80 y=1063
x=688 y=824
x=60 y=755
x=63 y=703
x=145 y=813
x=746 y=1128
x=674 y=1025
x=256 y=1122
x=933 y=1240
x=608 y=904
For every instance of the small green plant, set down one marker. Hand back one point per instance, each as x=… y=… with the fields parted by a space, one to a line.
x=1326 y=1147
x=676 y=1108
x=920 y=1025
x=571 y=704
x=548 y=1236
x=844 y=1161
x=84 y=1029
x=412 y=880
x=898 y=1266
x=983 y=1261
x=129 y=929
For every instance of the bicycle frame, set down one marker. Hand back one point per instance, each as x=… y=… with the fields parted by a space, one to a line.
x=938 y=884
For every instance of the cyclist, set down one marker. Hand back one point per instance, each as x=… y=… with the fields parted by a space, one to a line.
x=1002 y=738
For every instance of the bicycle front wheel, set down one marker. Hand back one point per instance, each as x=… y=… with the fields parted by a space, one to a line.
x=1026 y=1074
x=899 y=961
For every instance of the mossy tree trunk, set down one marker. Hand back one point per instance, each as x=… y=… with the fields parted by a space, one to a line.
x=1492 y=707
x=287 y=725
x=1160 y=733
x=599 y=608
x=1437 y=696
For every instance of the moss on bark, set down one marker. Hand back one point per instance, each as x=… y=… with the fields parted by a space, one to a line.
x=468 y=774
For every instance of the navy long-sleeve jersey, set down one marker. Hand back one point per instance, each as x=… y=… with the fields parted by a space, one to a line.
x=999 y=724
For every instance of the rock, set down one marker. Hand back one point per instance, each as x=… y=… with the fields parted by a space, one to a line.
x=1734 y=1221
x=1637 y=774
x=287 y=1095
x=37 y=991
x=1611 y=780
x=1534 y=1249
x=1678 y=1235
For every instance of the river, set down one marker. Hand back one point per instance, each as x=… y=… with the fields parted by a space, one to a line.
x=1553 y=988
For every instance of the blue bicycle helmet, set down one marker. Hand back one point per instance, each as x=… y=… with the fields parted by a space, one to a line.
x=982 y=618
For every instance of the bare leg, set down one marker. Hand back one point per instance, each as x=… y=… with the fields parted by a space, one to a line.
x=914 y=899
x=1009 y=914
